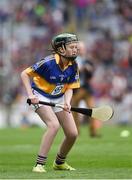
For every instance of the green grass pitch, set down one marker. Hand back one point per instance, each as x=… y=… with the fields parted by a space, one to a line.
x=108 y=157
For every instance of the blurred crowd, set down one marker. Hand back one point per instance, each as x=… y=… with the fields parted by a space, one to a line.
x=26 y=29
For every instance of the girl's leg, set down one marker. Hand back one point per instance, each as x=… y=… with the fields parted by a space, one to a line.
x=49 y=118
x=70 y=130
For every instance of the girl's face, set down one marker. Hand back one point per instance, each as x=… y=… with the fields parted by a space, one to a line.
x=72 y=49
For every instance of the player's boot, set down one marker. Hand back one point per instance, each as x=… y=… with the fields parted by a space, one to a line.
x=63 y=166
x=39 y=168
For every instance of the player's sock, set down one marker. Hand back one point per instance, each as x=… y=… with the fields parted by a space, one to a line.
x=60 y=160
x=41 y=160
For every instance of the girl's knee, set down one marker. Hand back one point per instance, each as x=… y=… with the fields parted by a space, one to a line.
x=73 y=135
x=53 y=126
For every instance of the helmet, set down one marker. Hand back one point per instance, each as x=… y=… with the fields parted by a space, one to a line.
x=63 y=39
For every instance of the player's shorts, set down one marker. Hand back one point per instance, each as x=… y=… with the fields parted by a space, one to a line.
x=59 y=100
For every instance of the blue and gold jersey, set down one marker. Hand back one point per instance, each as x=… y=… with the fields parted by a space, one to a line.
x=50 y=80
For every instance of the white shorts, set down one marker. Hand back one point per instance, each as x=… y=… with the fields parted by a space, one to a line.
x=45 y=99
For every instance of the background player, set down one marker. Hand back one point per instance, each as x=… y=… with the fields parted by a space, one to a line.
x=86 y=68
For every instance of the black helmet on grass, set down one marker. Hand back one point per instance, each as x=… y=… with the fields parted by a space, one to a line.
x=61 y=40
